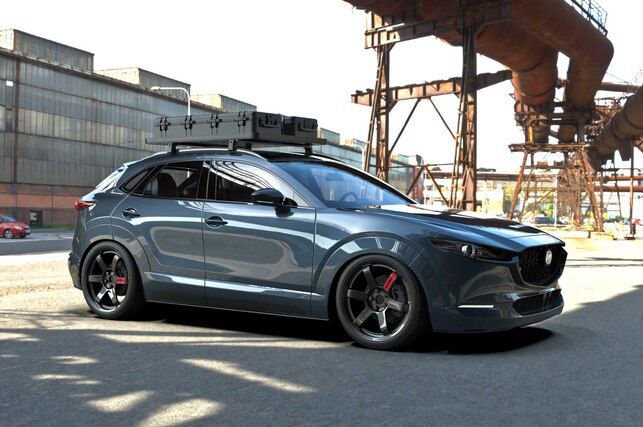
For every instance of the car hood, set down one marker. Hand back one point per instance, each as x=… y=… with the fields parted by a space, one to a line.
x=20 y=224
x=455 y=221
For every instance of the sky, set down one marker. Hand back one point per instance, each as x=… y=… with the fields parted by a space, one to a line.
x=302 y=57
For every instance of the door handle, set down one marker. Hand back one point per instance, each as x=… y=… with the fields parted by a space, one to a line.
x=215 y=221
x=130 y=213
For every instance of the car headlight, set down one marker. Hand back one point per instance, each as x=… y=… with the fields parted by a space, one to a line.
x=470 y=250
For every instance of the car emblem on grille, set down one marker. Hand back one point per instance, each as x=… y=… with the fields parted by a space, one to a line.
x=549 y=256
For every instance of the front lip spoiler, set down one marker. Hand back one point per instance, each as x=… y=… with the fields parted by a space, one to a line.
x=476 y=306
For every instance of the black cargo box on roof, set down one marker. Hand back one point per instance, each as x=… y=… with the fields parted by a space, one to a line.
x=246 y=128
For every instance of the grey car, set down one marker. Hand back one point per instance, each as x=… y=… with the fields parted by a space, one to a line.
x=305 y=236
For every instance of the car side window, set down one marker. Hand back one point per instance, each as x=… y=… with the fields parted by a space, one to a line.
x=235 y=182
x=180 y=180
x=136 y=184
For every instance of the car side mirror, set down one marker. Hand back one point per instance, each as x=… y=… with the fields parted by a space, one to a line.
x=267 y=196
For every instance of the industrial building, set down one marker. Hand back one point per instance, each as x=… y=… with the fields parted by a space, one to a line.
x=65 y=126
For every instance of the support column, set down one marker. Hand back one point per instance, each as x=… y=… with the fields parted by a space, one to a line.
x=383 y=109
x=468 y=128
x=632 y=226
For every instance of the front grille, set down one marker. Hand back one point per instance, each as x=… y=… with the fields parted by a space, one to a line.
x=533 y=268
x=537 y=303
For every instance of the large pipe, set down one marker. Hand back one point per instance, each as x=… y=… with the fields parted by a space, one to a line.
x=620 y=131
x=560 y=26
x=528 y=45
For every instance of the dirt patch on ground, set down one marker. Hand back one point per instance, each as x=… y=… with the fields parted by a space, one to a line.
x=39 y=276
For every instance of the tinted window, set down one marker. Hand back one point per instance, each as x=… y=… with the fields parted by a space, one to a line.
x=136 y=184
x=7 y=219
x=176 y=181
x=340 y=186
x=235 y=182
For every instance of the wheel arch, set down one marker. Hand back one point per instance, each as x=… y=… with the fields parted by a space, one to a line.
x=329 y=271
x=107 y=240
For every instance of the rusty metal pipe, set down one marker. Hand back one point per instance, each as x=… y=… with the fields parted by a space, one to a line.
x=619 y=132
x=560 y=26
x=622 y=178
x=614 y=189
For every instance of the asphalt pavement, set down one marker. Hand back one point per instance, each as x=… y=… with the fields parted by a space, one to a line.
x=38 y=242
x=60 y=365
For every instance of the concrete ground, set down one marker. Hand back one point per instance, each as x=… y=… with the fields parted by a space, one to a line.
x=61 y=365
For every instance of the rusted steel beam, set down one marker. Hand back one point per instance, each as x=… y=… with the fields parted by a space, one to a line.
x=608 y=86
x=546 y=148
x=429 y=89
x=392 y=29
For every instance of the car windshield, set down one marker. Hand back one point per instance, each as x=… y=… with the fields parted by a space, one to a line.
x=7 y=219
x=340 y=186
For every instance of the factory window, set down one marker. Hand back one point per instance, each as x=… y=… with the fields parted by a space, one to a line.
x=8 y=120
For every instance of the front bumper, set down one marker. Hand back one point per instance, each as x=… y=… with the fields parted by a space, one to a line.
x=24 y=232
x=498 y=317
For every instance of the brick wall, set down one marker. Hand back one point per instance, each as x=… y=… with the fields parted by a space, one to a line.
x=56 y=203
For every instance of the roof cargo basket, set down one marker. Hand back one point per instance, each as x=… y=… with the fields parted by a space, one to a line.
x=232 y=130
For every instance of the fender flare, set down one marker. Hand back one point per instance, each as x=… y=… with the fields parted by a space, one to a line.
x=125 y=238
x=339 y=255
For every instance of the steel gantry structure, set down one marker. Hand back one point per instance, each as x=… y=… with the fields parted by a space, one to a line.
x=382 y=34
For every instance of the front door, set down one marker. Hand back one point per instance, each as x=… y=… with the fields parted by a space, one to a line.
x=258 y=258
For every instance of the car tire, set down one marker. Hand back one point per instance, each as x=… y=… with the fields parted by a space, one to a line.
x=8 y=234
x=377 y=314
x=112 y=289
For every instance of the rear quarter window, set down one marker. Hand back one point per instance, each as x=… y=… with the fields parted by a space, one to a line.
x=111 y=181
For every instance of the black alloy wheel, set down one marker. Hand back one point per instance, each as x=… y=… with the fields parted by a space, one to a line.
x=380 y=304
x=110 y=282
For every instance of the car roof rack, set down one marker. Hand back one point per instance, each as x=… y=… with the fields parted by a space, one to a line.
x=243 y=129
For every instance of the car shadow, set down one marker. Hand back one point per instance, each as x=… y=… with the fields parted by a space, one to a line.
x=317 y=330
x=264 y=324
x=481 y=343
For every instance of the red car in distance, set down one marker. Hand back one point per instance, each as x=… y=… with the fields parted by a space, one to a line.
x=11 y=228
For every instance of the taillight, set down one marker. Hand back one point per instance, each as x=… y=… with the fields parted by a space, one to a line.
x=79 y=205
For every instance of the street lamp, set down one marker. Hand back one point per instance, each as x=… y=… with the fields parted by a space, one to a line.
x=363 y=149
x=175 y=88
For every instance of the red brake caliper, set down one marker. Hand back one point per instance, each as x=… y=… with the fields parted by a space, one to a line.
x=389 y=281
x=121 y=281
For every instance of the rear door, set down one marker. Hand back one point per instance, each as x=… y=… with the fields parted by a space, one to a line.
x=163 y=211
x=258 y=258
